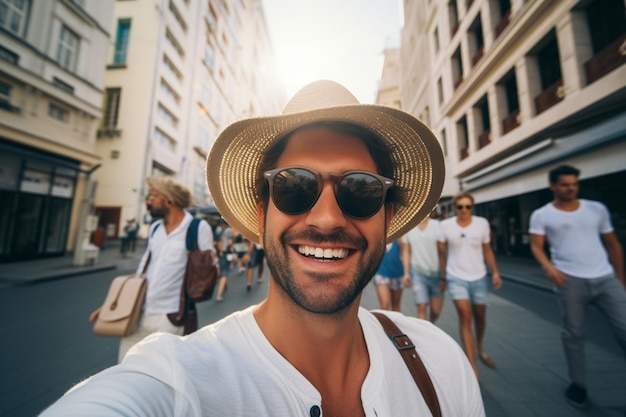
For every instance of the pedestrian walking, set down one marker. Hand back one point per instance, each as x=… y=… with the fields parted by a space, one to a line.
x=392 y=275
x=586 y=266
x=324 y=186
x=226 y=256
x=464 y=248
x=166 y=255
x=254 y=259
x=424 y=266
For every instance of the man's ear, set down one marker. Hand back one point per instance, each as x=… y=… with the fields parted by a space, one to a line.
x=260 y=213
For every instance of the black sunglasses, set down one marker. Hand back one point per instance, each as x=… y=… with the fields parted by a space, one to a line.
x=460 y=207
x=295 y=190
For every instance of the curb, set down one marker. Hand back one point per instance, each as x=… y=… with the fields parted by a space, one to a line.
x=527 y=283
x=65 y=273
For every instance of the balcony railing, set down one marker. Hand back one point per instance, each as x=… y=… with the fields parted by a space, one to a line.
x=484 y=139
x=109 y=132
x=510 y=122
x=606 y=60
x=549 y=97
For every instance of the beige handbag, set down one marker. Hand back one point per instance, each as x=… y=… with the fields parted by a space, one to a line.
x=122 y=306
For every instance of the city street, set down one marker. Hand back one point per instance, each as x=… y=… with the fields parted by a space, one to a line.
x=48 y=345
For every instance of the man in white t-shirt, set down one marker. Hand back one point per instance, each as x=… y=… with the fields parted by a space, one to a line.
x=323 y=187
x=586 y=266
x=166 y=258
x=464 y=248
x=424 y=260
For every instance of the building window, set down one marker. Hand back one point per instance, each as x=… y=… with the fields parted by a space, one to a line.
x=457 y=68
x=58 y=113
x=178 y=17
x=444 y=142
x=453 y=15
x=5 y=98
x=111 y=107
x=164 y=140
x=171 y=68
x=121 y=41
x=62 y=85
x=208 y=56
x=167 y=116
x=5 y=92
x=67 y=49
x=174 y=44
x=548 y=61
x=607 y=31
x=484 y=123
x=169 y=91
x=607 y=22
x=505 y=16
x=13 y=15
x=477 y=43
x=508 y=84
x=440 y=90
x=463 y=138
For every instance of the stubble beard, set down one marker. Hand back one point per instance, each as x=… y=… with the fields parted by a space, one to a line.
x=277 y=255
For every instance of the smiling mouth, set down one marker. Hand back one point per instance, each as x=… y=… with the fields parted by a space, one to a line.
x=320 y=253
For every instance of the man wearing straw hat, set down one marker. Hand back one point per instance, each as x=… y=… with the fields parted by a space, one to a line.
x=323 y=187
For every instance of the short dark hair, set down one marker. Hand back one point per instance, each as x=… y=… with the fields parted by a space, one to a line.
x=554 y=174
x=378 y=149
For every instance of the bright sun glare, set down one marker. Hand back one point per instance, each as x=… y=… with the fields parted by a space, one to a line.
x=341 y=40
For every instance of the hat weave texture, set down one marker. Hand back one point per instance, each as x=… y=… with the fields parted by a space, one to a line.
x=235 y=156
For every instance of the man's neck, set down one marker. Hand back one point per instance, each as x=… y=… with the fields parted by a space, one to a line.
x=566 y=205
x=330 y=352
x=173 y=219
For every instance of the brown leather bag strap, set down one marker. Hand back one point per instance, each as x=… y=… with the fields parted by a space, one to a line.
x=407 y=350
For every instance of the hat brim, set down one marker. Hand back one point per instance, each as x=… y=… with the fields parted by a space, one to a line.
x=234 y=158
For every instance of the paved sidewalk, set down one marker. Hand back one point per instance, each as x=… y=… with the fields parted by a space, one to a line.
x=29 y=272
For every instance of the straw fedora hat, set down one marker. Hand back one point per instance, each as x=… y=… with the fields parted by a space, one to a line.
x=234 y=158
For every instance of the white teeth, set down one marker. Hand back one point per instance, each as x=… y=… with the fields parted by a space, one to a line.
x=323 y=253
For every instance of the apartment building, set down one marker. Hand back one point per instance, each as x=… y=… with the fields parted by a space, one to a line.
x=514 y=88
x=178 y=72
x=52 y=64
x=388 y=92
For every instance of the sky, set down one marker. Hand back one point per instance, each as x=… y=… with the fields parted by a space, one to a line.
x=340 y=40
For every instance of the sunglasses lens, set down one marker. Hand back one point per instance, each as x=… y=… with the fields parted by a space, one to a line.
x=295 y=190
x=360 y=195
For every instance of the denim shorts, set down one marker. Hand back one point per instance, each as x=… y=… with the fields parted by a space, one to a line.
x=425 y=286
x=475 y=291
x=393 y=283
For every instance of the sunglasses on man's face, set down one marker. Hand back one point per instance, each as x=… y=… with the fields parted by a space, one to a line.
x=467 y=207
x=359 y=194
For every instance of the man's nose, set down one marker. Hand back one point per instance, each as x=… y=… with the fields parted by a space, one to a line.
x=326 y=215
